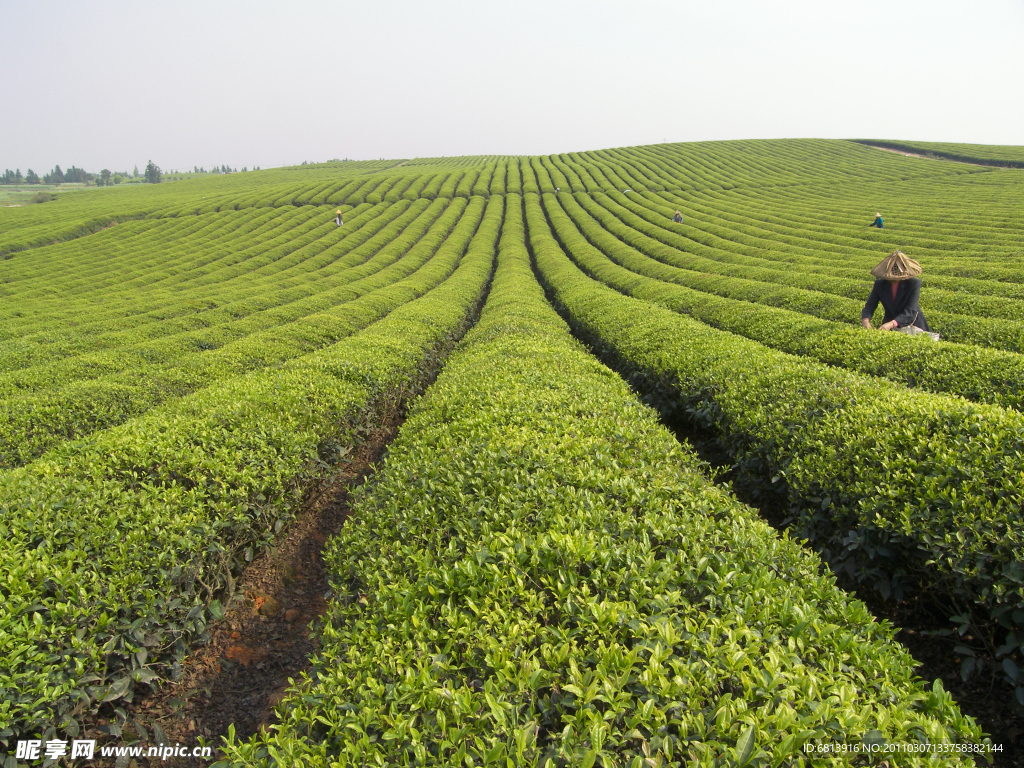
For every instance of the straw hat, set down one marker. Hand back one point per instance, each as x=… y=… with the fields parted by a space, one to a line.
x=878 y=215
x=896 y=266
x=338 y=211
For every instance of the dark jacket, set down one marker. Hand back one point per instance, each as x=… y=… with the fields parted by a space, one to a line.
x=905 y=310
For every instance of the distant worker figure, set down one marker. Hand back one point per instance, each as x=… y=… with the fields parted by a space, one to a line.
x=877 y=222
x=678 y=218
x=899 y=289
x=337 y=217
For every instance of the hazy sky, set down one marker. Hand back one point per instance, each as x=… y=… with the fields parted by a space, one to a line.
x=113 y=84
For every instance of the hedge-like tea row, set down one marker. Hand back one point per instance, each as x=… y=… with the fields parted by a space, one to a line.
x=115 y=545
x=215 y=315
x=822 y=296
x=541 y=575
x=138 y=274
x=24 y=238
x=814 y=218
x=980 y=374
x=158 y=330
x=898 y=487
x=816 y=247
x=134 y=242
x=31 y=424
x=221 y=310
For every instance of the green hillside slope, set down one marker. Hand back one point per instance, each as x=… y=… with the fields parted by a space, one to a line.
x=181 y=363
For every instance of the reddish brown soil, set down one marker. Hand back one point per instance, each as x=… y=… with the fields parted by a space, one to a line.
x=268 y=635
x=265 y=639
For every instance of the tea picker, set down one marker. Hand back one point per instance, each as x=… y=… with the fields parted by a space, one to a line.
x=898 y=289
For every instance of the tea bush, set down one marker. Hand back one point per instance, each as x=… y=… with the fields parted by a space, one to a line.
x=541 y=575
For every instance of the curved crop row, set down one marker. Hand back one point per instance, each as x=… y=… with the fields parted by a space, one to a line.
x=34 y=423
x=827 y=248
x=92 y=602
x=143 y=270
x=752 y=228
x=542 y=576
x=95 y=251
x=957 y=302
x=898 y=487
x=219 y=315
x=217 y=319
x=807 y=294
x=984 y=375
x=232 y=299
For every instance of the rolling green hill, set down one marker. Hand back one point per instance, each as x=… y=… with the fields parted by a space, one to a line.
x=539 y=571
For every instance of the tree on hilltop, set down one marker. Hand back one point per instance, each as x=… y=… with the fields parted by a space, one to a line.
x=75 y=175
x=153 y=175
x=56 y=176
x=31 y=177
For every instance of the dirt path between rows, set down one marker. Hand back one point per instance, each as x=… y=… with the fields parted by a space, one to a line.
x=931 y=157
x=909 y=154
x=263 y=642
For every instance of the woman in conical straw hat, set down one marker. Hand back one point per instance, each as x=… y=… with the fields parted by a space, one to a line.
x=898 y=288
x=877 y=222
x=337 y=217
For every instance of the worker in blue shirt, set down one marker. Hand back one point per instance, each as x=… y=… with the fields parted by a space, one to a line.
x=877 y=222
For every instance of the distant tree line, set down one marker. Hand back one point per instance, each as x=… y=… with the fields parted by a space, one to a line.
x=105 y=178
x=72 y=175
x=198 y=170
x=215 y=169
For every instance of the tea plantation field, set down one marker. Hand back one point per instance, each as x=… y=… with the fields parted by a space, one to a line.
x=539 y=573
